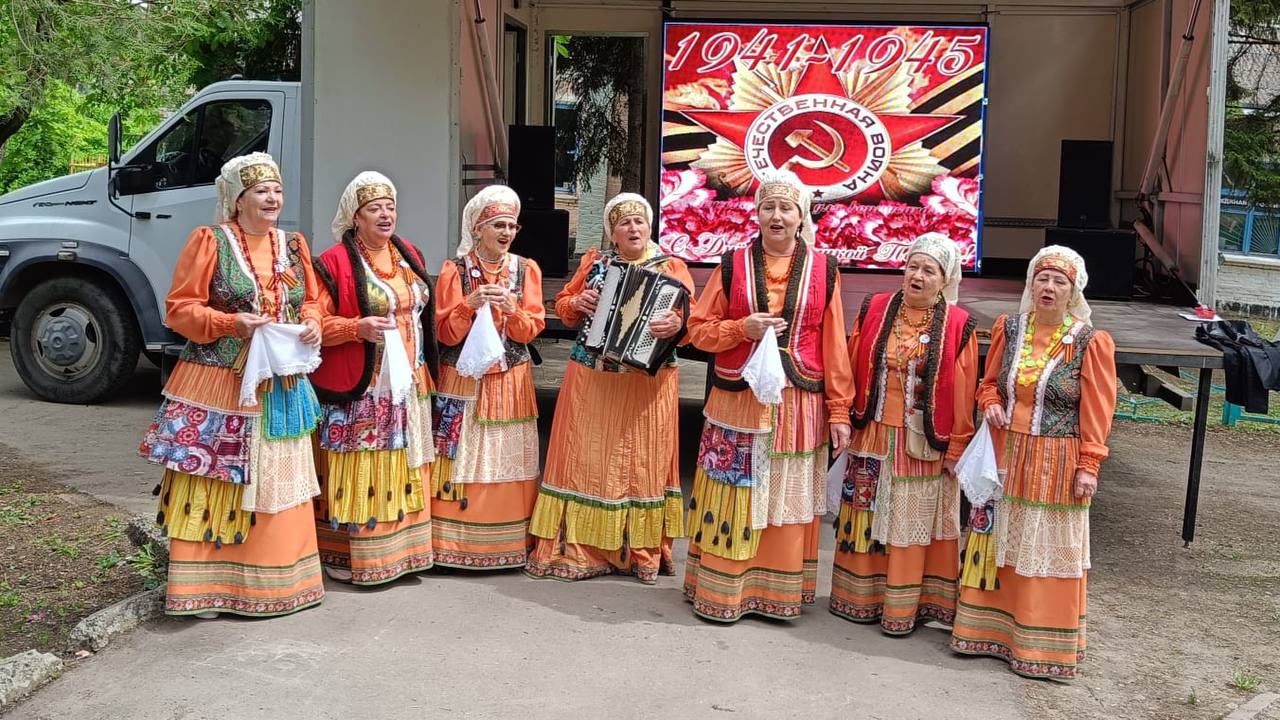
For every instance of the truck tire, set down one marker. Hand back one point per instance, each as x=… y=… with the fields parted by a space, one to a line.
x=74 y=340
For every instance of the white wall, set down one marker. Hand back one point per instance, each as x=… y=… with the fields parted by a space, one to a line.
x=1250 y=284
x=380 y=92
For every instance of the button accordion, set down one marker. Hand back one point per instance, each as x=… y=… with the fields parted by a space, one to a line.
x=631 y=296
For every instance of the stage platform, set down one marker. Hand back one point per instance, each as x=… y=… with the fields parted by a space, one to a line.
x=1146 y=334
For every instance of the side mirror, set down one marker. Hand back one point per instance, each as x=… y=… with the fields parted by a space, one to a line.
x=113 y=140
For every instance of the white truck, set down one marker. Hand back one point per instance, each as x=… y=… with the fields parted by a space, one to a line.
x=86 y=260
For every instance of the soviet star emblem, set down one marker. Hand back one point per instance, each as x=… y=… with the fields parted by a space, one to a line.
x=846 y=136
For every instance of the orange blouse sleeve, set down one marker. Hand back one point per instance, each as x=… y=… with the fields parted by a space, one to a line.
x=564 y=299
x=311 y=309
x=709 y=330
x=530 y=317
x=187 y=310
x=966 y=376
x=453 y=316
x=1097 y=400
x=835 y=360
x=988 y=391
x=336 y=329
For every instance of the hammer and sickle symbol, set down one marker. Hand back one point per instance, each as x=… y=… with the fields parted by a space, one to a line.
x=825 y=158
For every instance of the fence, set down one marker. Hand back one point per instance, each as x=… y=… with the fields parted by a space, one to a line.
x=86 y=163
x=1137 y=407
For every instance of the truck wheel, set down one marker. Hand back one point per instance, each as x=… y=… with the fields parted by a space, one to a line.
x=74 y=340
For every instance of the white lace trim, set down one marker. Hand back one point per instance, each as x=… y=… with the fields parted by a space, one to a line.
x=495 y=453
x=1043 y=542
x=283 y=473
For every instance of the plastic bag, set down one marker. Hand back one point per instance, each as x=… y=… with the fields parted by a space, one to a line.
x=482 y=347
x=977 y=471
x=763 y=371
x=835 y=481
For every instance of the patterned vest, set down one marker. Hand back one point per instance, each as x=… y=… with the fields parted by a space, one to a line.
x=950 y=332
x=517 y=353
x=809 y=290
x=232 y=289
x=1057 y=401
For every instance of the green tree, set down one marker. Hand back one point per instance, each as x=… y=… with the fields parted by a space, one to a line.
x=257 y=39
x=1251 y=152
x=606 y=76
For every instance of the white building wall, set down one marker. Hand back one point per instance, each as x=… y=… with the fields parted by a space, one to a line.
x=1249 y=284
x=380 y=92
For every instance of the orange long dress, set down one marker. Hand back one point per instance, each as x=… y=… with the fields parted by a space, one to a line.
x=914 y=575
x=235 y=504
x=774 y=571
x=610 y=499
x=485 y=477
x=373 y=454
x=1023 y=587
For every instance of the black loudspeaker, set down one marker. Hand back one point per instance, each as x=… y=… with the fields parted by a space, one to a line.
x=544 y=238
x=531 y=164
x=1084 y=184
x=1109 y=256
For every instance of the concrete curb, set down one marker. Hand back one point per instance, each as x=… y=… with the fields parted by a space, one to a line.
x=22 y=674
x=95 y=631
x=142 y=530
x=1251 y=709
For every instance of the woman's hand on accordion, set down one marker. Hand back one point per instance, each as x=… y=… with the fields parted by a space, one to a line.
x=755 y=324
x=665 y=325
x=585 y=301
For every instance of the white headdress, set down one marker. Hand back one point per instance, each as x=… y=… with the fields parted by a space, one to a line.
x=364 y=189
x=239 y=174
x=784 y=184
x=621 y=206
x=491 y=203
x=1069 y=263
x=947 y=254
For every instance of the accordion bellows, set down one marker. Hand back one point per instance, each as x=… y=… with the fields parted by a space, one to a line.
x=630 y=297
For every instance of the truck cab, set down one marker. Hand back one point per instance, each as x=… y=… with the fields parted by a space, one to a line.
x=86 y=260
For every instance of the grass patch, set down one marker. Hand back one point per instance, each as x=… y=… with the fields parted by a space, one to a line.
x=148 y=567
x=1245 y=682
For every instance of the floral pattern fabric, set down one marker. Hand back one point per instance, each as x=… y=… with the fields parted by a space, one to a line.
x=371 y=422
x=726 y=455
x=197 y=441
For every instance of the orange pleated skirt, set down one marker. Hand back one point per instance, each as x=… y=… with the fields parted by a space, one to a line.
x=1036 y=624
x=897 y=587
x=488 y=529
x=776 y=583
x=276 y=571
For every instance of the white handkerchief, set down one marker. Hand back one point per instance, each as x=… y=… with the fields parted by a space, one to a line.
x=276 y=350
x=482 y=348
x=396 y=376
x=763 y=371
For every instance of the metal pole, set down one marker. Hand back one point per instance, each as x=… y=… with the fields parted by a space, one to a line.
x=1197 y=457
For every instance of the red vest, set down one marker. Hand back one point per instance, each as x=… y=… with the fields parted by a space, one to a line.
x=809 y=290
x=346 y=370
x=950 y=331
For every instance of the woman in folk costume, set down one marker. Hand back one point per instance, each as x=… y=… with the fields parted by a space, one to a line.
x=486 y=430
x=1048 y=396
x=610 y=498
x=374 y=447
x=234 y=430
x=915 y=366
x=759 y=492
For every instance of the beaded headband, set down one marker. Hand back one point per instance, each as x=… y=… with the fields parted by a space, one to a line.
x=493 y=211
x=377 y=191
x=784 y=190
x=1055 y=262
x=627 y=208
x=251 y=175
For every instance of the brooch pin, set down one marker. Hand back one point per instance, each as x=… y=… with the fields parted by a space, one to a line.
x=475 y=272
x=924 y=339
x=1067 y=339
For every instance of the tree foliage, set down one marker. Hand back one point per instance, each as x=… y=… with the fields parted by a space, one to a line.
x=605 y=74
x=257 y=39
x=1251 y=153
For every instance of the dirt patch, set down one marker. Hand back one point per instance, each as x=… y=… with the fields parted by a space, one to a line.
x=1178 y=632
x=63 y=556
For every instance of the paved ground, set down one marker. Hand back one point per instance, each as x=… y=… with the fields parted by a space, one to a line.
x=478 y=645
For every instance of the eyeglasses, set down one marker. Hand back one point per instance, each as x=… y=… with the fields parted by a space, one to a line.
x=506 y=227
